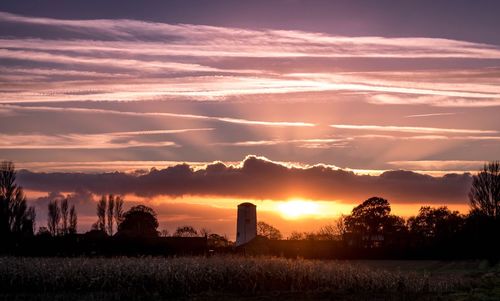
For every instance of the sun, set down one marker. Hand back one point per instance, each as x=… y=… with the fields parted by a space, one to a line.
x=294 y=209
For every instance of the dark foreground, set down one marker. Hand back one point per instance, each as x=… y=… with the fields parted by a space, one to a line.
x=244 y=278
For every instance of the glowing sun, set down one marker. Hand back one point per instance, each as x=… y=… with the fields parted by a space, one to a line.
x=298 y=208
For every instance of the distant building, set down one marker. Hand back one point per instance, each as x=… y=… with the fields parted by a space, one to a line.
x=246 y=228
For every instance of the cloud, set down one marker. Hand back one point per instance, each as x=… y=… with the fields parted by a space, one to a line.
x=304 y=143
x=80 y=141
x=410 y=129
x=130 y=60
x=161 y=114
x=431 y=115
x=259 y=178
x=439 y=165
x=219 y=41
x=435 y=100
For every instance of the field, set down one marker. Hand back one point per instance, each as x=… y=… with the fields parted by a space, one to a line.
x=247 y=278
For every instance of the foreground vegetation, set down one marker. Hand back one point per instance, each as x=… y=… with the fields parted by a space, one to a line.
x=248 y=277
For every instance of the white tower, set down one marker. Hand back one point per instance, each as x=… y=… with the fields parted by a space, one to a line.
x=246 y=229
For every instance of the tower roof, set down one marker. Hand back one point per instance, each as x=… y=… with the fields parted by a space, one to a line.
x=246 y=204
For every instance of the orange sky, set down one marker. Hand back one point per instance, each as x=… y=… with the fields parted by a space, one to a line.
x=219 y=214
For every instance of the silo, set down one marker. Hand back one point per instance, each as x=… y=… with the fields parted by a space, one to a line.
x=246 y=228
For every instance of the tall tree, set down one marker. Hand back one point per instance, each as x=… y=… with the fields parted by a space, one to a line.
x=73 y=220
x=484 y=195
x=14 y=212
x=64 y=216
x=101 y=214
x=54 y=217
x=118 y=214
x=111 y=213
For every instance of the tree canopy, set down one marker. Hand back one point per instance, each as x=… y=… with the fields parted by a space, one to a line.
x=139 y=221
x=435 y=223
x=372 y=221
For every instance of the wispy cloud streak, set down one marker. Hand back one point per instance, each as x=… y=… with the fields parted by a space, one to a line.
x=111 y=140
x=220 y=41
x=161 y=114
x=146 y=60
x=430 y=115
x=410 y=129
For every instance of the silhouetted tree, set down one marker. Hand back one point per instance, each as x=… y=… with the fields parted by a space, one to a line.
x=111 y=213
x=54 y=217
x=328 y=232
x=101 y=214
x=186 y=231
x=484 y=195
x=64 y=216
x=73 y=220
x=15 y=217
x=340 y=225
x=295 y=235
x=372 y=221
x=118 y=211
x=139 y=221
x=435 y=224
x=266 y=230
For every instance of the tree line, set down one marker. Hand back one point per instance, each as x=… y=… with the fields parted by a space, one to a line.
x=369 y=225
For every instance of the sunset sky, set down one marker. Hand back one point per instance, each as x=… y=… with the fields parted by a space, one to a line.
x=305 y=108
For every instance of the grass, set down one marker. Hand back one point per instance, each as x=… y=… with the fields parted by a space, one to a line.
x=247 y=278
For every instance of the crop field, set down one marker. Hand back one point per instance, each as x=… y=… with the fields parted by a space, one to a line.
x=247 y=278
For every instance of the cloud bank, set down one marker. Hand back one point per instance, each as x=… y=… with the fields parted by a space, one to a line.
x=259 y=178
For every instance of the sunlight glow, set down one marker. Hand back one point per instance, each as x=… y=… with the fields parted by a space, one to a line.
x=294 y=209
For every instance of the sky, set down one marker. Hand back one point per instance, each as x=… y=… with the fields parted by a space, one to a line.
x=195 y=106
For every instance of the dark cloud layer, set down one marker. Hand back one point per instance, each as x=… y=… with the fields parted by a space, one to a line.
x=259 y=178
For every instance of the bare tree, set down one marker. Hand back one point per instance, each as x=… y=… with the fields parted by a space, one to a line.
x=118 y=214
x=340 y=225
x=484 y=195
x=328 y=232
x=64 y=216
x=111 y=213
x=205 y=232
x=54 y=217
x=101 y=214
x=295 y=235
x=17 y=210
x=266 y=230
x=73 y=220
